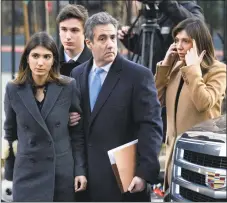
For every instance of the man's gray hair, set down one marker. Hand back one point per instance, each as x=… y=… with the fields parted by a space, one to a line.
x=101 y=18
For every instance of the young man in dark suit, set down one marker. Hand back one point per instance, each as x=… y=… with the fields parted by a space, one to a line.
x=73 y=50
x=120 y=104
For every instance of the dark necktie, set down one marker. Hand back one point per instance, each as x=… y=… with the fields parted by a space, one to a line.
x=71 y=61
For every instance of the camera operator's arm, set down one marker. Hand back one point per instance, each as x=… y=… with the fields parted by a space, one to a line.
x=178 y=11
x=130 y=41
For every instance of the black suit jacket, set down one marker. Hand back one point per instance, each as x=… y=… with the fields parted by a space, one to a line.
x=127 y=108
x=66 y=68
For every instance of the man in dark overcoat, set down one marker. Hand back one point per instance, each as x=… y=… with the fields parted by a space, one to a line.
x=120 y=104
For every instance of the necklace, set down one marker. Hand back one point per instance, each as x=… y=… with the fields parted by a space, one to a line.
x=36 y=88
x=40 y=86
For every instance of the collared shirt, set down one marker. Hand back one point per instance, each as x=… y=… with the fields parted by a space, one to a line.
x=103 y=75
x=67 y=58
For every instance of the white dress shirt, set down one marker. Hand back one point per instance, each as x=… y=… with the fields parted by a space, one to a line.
x=67 y=58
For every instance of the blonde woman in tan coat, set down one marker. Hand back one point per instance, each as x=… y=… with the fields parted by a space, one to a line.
x=190 y=82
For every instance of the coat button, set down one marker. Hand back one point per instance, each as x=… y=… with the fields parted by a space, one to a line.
x=49 y=158
x=32 y=160
x=89 y=145
x=33 y=143
x=57 y=124
x=49 y=143
x=26 y=127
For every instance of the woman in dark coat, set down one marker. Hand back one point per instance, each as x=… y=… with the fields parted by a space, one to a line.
x=49 y=164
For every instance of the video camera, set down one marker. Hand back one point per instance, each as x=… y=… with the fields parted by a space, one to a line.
x=149 y=9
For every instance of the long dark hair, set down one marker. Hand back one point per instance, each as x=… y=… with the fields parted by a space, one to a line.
x=197 y=30
x=46 y=41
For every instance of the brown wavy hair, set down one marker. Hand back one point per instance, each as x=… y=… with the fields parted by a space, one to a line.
x=39 y=39
x=73 y=11
x=197 y=30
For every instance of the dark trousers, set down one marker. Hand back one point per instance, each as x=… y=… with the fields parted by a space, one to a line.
x=143 y=196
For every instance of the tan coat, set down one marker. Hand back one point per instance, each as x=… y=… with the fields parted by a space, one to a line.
x=200 y=99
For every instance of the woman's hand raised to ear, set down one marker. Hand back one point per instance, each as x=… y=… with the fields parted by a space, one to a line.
x=192 y=57
x=170 y=56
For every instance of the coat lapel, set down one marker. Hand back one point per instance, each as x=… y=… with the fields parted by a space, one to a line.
x=53 y=92
x=177 y=66
x=27 y=97
x=110 y=82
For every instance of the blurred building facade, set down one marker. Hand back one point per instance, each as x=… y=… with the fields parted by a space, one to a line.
x=20 y=19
